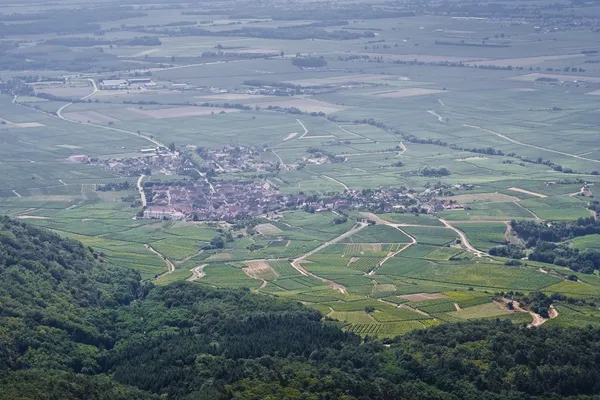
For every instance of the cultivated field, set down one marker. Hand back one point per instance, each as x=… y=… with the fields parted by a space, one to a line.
x=509 y=110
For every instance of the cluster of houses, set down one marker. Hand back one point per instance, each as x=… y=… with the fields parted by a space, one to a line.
x=203 y=201
x=152 y=162
x=124 y=84
x=232 y=159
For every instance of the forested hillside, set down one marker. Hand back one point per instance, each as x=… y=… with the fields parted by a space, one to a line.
x=74 y=327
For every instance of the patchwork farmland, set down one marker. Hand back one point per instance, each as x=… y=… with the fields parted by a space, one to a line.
x=352 y=168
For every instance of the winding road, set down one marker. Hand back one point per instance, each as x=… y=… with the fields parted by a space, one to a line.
x=170 y=266
x=463 y=239
x=94 y=92
x=197 y=273
x=153 y=141
x=60 y=111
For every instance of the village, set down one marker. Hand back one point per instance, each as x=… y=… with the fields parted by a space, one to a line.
x=199 y=191
x=230 y=201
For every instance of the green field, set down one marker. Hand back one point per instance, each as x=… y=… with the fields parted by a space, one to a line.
x=378 y=234
x=431 y=235
x=399 y=98
x=484 y=236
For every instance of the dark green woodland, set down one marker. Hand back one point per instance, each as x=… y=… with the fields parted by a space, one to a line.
x=75 y=327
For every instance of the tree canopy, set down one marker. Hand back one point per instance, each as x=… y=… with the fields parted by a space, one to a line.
x=75 y=327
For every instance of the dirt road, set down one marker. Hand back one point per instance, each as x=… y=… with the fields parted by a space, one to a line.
x=380 y=221
x=537 y=319
x=197 y=273
x=170 y=266
x=439 y=117
x=336 y=181
x=297 y=263
x=394 y=254
x=529 y=211
x=463 y=239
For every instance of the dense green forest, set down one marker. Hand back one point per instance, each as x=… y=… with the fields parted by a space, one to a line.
x=74 y=327
x=543 y=240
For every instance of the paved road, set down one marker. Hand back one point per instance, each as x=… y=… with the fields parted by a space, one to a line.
x=303 y=127
x=531 y=145
x=94 y=92
x=151 y=140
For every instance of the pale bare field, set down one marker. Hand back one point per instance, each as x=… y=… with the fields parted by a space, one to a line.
x=178 y=112
x=471 y=158
x=220 y=257
x=260 y=270
x=28 y=124
x=145 y=52
x=72 y=91
x=257 y=51
x=482 y=197
x=408 y=92
x=290 y=136
x=525 y=90
x=524 y=61
x=594 y=92
x=89 y=116
x=384 y=287
x=306 y=105
x=514 y=189
x=353 y=259
x=68 y=146
x=423 y=296
x=30 y=217
x=420 y=57
x=267 y=228
x=560 y=77
x=9 y=124
x=231 y=96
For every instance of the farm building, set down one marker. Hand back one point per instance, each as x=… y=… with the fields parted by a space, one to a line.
x=113 y=84
x=162 y=212
x=134 y=81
